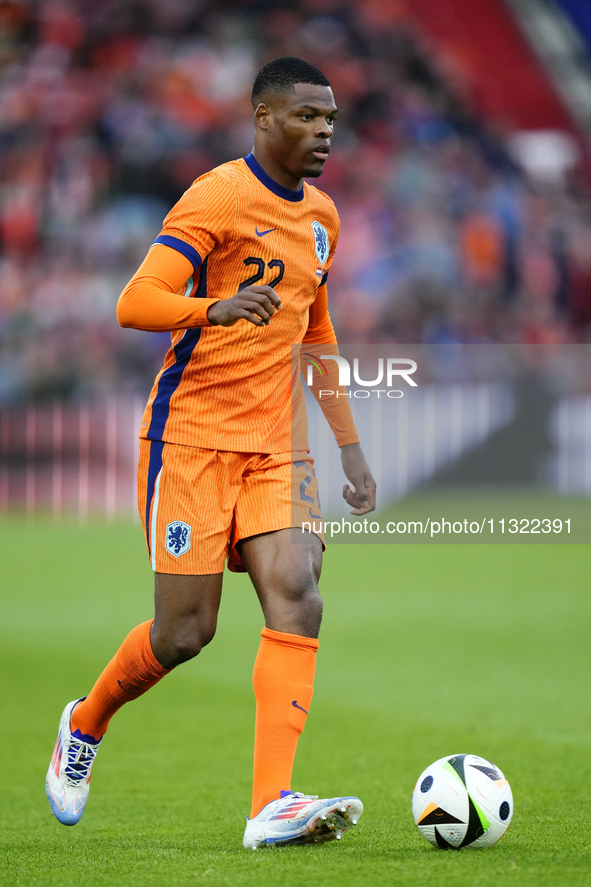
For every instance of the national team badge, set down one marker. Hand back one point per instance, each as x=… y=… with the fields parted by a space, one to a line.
x=320 y=242
x=178 y=537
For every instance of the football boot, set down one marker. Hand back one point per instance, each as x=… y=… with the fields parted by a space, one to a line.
x=295 y=818
x=66 y=783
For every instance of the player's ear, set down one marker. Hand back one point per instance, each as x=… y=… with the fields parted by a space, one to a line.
x=261 y=115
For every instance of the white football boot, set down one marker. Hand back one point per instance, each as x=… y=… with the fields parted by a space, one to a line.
x=66 y=783
x=301 y=819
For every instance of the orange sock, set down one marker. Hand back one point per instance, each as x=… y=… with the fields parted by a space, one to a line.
x=283 y=681
x=132 y=671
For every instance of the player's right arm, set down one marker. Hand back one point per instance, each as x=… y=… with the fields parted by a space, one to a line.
x=151 y=301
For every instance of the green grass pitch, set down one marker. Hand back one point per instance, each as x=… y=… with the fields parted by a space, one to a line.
x=425 y=651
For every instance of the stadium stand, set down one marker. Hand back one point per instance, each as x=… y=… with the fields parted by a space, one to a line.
x=578 y=11
x=507 y=83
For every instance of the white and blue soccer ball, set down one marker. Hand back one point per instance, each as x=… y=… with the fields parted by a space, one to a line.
x=462 y=801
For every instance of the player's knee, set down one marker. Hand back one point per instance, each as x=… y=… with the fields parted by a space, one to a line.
x=303 y=592
x=301 y=588
x=206 y=634
x=309 y=609
x=183 y=649
x=191 y=643
x=183 y=644
x=313 y=603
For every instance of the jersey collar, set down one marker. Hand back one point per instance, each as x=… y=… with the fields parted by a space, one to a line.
x=270 y=183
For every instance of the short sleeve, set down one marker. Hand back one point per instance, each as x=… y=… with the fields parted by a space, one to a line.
x=202 y=218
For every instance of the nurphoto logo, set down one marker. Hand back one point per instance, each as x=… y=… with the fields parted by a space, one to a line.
x=396 y=368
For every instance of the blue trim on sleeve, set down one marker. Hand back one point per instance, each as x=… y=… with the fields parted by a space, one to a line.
x=201 y=291
x=324 y=278
x=188 y=251
x=270 y=183
x=171 y=377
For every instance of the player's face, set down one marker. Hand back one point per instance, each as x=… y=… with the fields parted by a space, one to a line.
x=298 y=128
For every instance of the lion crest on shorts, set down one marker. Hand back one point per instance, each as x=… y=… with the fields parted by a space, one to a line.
x=178 y=537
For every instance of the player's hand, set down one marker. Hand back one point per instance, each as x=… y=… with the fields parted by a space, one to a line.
x=362 y=498
x=257 y=304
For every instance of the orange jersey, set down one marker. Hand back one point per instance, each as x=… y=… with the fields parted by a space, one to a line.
x=238 y=388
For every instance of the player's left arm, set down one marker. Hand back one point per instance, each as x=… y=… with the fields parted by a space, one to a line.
x=362 y=498
x=320 y=339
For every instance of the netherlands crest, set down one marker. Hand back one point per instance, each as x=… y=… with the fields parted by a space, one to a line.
x=178 y=537
x=320 y=242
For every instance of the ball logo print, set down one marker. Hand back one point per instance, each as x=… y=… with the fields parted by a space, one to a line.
x=462 y=801
x=178 y=537
x=321 y=242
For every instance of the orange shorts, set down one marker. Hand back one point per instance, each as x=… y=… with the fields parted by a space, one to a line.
x=197 y=504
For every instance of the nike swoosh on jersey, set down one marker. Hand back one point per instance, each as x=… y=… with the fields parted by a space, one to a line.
x=262 y=233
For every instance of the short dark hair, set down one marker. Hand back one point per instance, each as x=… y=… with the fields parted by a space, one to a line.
x=281 y=75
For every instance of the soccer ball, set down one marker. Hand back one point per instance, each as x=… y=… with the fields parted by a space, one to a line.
x=462 y=801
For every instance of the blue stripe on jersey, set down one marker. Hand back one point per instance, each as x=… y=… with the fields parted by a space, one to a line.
x=154 y=467
x=188 y=251
x=201 y=291
x=270 y=183
x=324 y=279
x=171 y=377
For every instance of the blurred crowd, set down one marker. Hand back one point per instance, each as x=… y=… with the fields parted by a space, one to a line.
x=110 y=109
